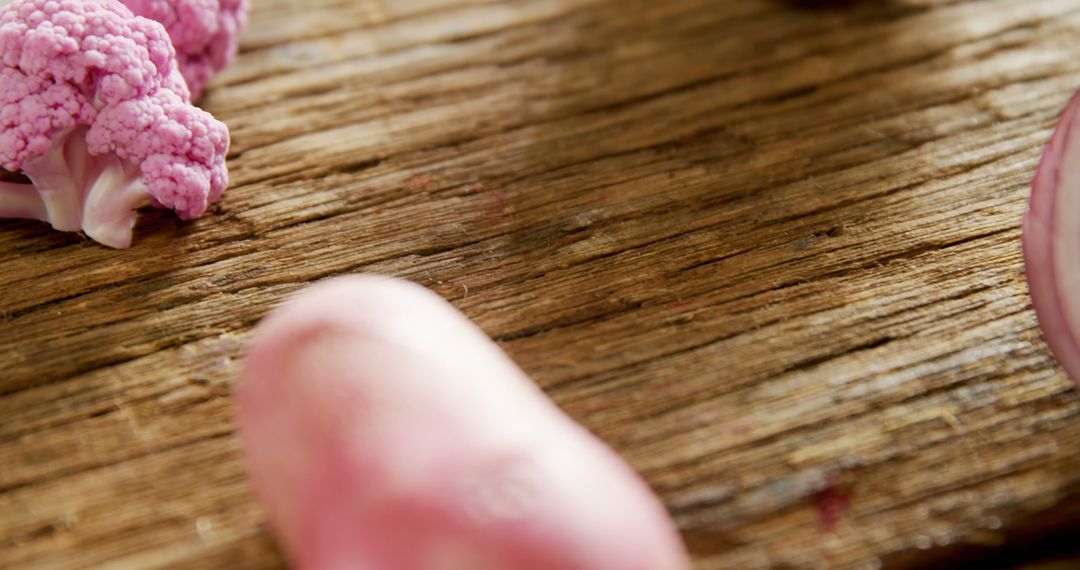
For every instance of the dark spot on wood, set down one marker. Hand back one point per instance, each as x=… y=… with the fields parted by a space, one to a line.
x=834 y=500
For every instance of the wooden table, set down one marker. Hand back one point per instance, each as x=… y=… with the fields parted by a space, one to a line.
x=771 y=253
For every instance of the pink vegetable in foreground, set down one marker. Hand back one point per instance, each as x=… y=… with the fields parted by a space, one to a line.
x=385 y=431
x=95 y=113
x=1052 y=240
x=205 y=33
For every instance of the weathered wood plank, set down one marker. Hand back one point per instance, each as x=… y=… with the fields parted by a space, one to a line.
x=770 y=254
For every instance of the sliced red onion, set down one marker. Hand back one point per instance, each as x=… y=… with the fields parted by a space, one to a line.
x=1052 y=240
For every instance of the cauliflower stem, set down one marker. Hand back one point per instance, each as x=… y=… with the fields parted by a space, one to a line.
x=73 y=191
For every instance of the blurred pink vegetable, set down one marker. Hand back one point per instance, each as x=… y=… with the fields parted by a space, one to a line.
x=1052 y=240
x=384 y=431
x=205 y=33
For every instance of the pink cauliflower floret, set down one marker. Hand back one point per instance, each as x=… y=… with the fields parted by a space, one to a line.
x=95 y=45
x=176 y=144
x=205 y=33
x=31 y=110
x=94 y=112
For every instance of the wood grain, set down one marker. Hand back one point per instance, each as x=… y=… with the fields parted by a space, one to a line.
x=770 y=253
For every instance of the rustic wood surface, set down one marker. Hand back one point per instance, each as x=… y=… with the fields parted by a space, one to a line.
x=771 y=253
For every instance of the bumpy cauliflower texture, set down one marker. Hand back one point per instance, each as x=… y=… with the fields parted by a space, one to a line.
x=94 y=111
x=205 y=33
